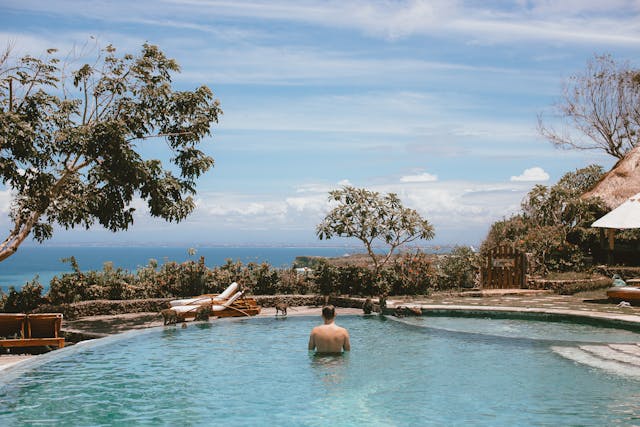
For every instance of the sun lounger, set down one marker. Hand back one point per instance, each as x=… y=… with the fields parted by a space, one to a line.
x=207 y=299
x=12 y=326
x=189 y=310
x=220 y=307
x=33 y=330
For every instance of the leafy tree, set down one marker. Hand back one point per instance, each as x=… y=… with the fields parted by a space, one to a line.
x=70 y=140
x=603 y=105
x=554 y=224
x=561 y=204
x=373 y=218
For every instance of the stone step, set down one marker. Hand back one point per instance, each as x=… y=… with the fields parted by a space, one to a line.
x=633 y=349
x=586 y=358
x=607 y=352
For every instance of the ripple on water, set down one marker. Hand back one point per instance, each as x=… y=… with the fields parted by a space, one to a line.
x=258 y=371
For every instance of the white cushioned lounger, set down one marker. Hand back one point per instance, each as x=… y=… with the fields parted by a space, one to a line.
x=181 y=309
x=228 y=303
x=206 y=300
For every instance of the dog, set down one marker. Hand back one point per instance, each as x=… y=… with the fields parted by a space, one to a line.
x=416 y=311
x=403 y=310
x=282 y=306
x=367 y=307
x=170 y=316
x=203 y=312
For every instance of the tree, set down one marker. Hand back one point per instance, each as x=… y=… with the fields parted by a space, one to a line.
x=69 y=141
x=603 y=105
x=373 y=218
x=554 y=224
x=561 y=204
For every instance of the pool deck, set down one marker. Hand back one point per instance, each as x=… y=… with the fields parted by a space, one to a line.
x=592 y=306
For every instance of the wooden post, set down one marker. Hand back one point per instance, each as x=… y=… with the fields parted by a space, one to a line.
x=611 y=233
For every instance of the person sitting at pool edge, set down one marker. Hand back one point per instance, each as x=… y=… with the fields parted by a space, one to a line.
x=329 y=338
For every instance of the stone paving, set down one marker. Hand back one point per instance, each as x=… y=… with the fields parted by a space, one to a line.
x=591 y=302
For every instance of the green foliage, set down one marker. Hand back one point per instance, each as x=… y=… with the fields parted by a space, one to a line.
x=458 y=269
x=373 y=218
x=25 y=300
x=173 y=279
x=409 y=274
x=109 y=283
x=412 y=273
x=70 y=139
x=554 y=225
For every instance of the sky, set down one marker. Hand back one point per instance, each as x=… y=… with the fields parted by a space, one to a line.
x=437 y=101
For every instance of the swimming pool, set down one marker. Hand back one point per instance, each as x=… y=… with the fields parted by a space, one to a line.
x=258 y=372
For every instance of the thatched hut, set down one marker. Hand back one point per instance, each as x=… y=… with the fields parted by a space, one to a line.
x=620 y=183
x=615 y=188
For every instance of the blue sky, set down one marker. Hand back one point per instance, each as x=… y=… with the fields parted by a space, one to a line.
x=434 y=100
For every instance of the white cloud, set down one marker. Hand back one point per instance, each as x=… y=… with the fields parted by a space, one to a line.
x=310 y=204
x=423 y=177
x=446 y=204
x=531 y=175
x=574 y=21
x=541 y=20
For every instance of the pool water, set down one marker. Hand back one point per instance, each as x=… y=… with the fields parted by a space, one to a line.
x=258 y=372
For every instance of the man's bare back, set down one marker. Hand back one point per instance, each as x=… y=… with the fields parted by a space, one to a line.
x=329 y=338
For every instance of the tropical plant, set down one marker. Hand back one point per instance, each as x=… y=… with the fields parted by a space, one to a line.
x=70 y=141
x=554 y=225
x=24 y=300
x=373 y=219
x=459 y=268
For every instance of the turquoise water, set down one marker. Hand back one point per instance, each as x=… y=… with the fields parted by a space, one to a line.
x=46 y=263
x=258 y=372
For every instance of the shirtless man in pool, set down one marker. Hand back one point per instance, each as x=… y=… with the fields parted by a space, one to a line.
x=329 y=338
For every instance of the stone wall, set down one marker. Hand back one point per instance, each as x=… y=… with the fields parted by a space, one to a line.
x=105 y=307
x=569 y=287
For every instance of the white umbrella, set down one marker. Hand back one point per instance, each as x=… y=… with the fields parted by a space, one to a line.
x=627 y=215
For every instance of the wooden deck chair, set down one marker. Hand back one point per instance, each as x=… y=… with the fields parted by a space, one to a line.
x=44 y=329
x=220 y=307
x=33 y=330
x=12 y=326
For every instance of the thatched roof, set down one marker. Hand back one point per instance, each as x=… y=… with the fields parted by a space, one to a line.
x=620 y=183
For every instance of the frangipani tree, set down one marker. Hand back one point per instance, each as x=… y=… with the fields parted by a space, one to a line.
x=70 y=141
x=374 y=219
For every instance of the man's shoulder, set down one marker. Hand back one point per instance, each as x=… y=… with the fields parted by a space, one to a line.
x=341 y=329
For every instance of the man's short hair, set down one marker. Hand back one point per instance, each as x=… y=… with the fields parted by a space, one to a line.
x=328 y=312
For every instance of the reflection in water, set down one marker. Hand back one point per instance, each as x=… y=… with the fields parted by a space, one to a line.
x=329 y=368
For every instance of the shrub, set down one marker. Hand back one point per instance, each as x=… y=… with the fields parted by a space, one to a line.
x=458 y=269
x=327 y=278
x=25 y=300
x=554 y=225
x=412 y=274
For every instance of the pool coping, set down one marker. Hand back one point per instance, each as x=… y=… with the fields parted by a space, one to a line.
x=625 y=321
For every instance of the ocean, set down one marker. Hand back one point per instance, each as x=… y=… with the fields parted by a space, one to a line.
x=45 y=262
